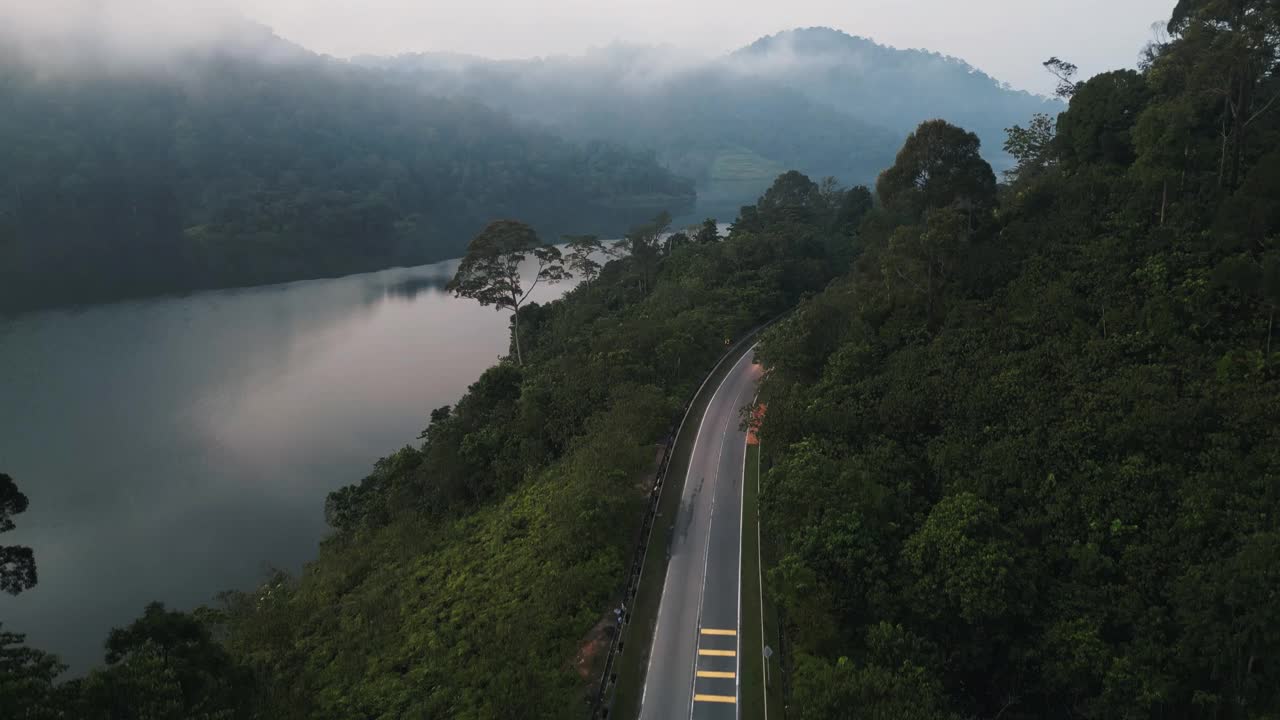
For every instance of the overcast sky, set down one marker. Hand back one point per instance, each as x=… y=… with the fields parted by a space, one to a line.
x=1006 y=38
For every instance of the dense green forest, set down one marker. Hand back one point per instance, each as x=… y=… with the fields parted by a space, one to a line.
x=1026 y=455
x=264 y=163
x=815 y=100
x=465 y=575
x=1023 y=446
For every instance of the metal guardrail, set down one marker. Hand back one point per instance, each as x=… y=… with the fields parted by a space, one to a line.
x=606 y=692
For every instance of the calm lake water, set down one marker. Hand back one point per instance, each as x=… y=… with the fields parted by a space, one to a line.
x=177 y=447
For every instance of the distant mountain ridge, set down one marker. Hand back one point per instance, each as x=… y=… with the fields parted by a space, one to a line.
x=816 y=99
x=893 y=87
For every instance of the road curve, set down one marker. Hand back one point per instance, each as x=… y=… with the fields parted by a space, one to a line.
x=693 y=664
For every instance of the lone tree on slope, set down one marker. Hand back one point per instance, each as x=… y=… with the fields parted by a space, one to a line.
x=490 y=272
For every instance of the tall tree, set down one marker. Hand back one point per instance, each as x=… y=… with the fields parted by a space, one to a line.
x=853 y=206
x=490 y=272
x=644 y=244
x=581 y=259
x=708 y=232
x=1031 y=147
x=17 y=563
x=1230 y=52
x=167 y=665
x=939 y=166
x=27 y=678
x=793 y=196
x=1065 y=72
x=1098 y=127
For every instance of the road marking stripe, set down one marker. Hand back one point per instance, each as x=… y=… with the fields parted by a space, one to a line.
x=716 y=674
x=759 y=574
x=709 y=631
x=666 y=574
x=706 y=548
x=716 y=699
x=706 y=551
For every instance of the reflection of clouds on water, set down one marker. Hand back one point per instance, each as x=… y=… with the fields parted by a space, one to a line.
x=174 y=447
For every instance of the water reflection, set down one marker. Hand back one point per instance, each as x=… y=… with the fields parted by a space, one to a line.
x=173 y=448
x=412 y=287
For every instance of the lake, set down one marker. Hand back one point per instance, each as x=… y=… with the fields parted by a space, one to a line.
x=176 y=447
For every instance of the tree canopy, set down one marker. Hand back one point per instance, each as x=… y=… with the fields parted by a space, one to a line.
x=938 y=166
x=17 y=563
x=490 y=271
x=1034 y=456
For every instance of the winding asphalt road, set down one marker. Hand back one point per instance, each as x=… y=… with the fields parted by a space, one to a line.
x=693 y=665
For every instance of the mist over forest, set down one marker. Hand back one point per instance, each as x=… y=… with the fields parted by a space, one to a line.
x=248 y=161
x=195 y=149
x=816 y=99
x=972 y=412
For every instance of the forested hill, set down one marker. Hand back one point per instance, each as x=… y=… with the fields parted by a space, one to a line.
x=259 y=162
x=818 y=101
x=1026 y=455
x=892 y=87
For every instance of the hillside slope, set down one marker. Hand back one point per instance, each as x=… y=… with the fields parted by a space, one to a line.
x=1025 y=457
x=258 y=162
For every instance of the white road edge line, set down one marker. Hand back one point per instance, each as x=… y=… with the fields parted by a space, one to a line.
x=742 y=514
x=760 y=576
x=755 y=401
x=742 y=499
x=666 y=572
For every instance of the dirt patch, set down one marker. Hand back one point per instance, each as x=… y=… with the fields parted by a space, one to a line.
x=753 y=426
x=649 y=479
x=591 y=653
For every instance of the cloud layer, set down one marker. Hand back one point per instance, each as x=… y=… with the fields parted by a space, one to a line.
x=1006 y=38
x=125 y=31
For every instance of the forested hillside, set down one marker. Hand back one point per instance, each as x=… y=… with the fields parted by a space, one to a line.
x=258 y=162
x=1022 y=446
x=817 y=100
x=466 y=573
x=1026 y=456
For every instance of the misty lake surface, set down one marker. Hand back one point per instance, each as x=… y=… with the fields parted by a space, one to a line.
x=177 y=447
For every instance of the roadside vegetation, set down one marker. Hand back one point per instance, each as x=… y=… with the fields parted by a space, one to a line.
x=763 y=689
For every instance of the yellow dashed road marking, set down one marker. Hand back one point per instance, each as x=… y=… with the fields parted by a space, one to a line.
x=716 y=698
x=718 y=653
x=709 y=631
x=715 y=674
